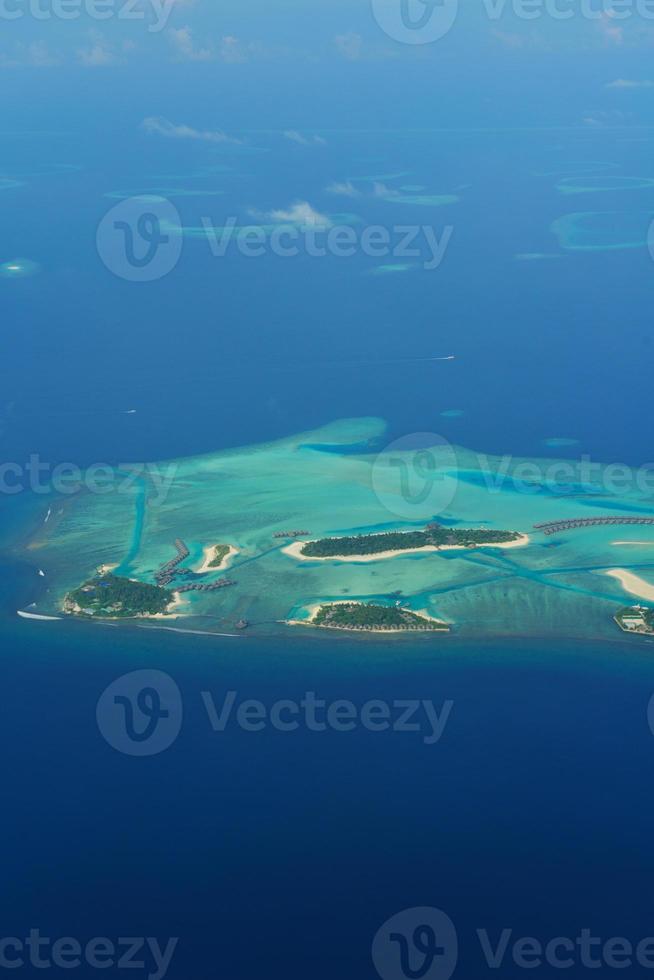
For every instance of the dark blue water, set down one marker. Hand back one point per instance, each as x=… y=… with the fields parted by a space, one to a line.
x=284 y=853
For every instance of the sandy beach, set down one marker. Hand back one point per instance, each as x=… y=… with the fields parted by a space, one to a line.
x=313 y=612
x=295 y=550
x=175 y=609
x=209 y=553
x=633 y=584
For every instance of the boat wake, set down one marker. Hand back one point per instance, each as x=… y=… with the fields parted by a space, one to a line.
x=44 y=619
x=173 y=629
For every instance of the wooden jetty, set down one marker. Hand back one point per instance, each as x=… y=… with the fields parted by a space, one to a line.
x=555 y=527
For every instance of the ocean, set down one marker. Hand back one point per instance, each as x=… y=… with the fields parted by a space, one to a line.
x=275 y=853
x=286 y=851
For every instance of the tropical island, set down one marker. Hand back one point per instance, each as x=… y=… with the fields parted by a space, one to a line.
x=371 y=617
x=217 y=557
x=220 y=552
x=435 y=537
x=636 y=619
x=114 y=597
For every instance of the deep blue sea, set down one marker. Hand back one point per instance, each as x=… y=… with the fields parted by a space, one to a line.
x=281 y=854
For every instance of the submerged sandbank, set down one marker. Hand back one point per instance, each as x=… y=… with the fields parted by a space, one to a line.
x=642 y=544
x=631 y=583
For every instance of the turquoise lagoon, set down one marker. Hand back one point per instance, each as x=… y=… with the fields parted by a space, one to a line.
x=330 y=482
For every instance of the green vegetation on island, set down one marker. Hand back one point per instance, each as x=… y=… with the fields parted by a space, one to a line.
x=636 y=619
x=220 y=552
x=113 y=597
x=370 y=616
x=433 y=536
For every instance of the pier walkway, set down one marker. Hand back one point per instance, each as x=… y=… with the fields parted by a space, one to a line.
x=553 y=527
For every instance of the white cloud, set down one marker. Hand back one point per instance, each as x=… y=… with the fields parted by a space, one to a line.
x=625 y=83
x=34 y=55
x=378 y=190
x=344 y=189
x=184 y=45
x=601 y=118
x=159 y=126
x=295 y=137
x=38 y=55
x=299 y=213
x=98 y=55
x=232 y=51
x=610 y=31
x=381 y=190
x=349 y=45
x=508 y=39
